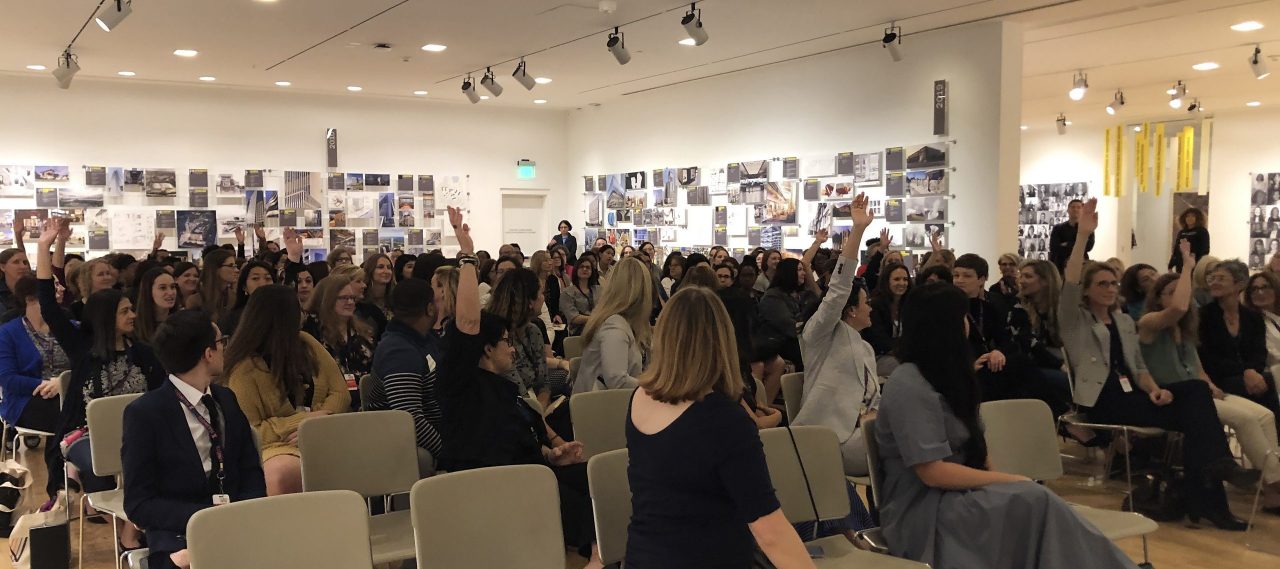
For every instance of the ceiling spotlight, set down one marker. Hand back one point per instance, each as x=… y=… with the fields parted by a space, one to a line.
x=692 y=22
x=1062 y=123
x=891 y=40
x=522 y=76
x=539 y=101
x=542 y=80
x=1253 y=104
x=489 y=83
x=1024 y=127
x=1258 y=64
x=355 y=88
x=1195 y=106
x=434 y=47
x=1079 y=85
x=617 y=45
x=112 y=13
x=68 y=65
x=1176 y=93
x=1116 y=103
x=1248 y=26
x=687 y=41
x=469 y=89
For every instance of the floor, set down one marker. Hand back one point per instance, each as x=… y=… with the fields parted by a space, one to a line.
x=1173 y=546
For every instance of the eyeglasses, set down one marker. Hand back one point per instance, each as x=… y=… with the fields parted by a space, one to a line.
x=348 y=298
x=1007 y=264
x=229 y=266
x=1260 y=288
x=223 y=341
x=1219 y=278
x=1107 y=284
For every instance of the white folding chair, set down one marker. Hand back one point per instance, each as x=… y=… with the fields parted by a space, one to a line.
x=792 y=394
x=610 y=502
x=600 y=420
x=573 y=346
x=105 y=418
x=293 y=531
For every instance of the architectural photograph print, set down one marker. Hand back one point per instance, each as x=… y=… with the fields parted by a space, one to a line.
x=95 y=176
x=866 y=169
x=135 y=180
x=927 y=182
x=161 y=183
x=229 y=185
x=779 y=204
x=926 y=156
x=635 y=180
x=354 y=182
x=53 y=174
x=932 y=208
x=197 y=228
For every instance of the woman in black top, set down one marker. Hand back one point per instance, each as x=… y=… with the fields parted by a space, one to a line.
x=1194 y=231
x=486 y=421
x=700 y=490
x=566 y=240
x=886 y=316
x=1233 y=339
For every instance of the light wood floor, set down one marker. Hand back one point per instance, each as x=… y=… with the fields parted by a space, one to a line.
x=1173 y=546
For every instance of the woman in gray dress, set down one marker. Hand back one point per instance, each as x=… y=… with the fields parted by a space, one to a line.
x=942 y=504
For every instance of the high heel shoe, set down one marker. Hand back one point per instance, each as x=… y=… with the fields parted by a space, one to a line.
x=1226 y=470
x=1223 y=520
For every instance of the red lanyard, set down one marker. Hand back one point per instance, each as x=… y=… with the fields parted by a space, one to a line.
x=213 y=436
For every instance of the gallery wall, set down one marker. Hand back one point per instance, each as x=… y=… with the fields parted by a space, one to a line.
x=853 y=100
x=137 y=124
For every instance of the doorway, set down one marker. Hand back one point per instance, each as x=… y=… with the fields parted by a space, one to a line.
x=524 y=221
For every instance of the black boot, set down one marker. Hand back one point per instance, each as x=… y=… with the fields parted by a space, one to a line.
x=1226 y=470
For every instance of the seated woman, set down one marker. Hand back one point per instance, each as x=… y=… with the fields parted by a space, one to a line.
x=379 y=281
x=713 y=509
x=886 y=316
x=941 y=502
x=187 y=275
x=95 y=275
x=217 y=284
x=486 y=421
x=1135 y=283
x=332 y=321
x=579 y=298
x=1233 y=339
x=1168 y=332
x=104 y=360
x=1035 y=346
x=301 y=381
x=1007 y=287
x=840 y=383
x=1262 y=295
x=157 y=299
x=1112 y=384
x=364 y=309
x=616 y=338
x=253 y=274
x=784 y=308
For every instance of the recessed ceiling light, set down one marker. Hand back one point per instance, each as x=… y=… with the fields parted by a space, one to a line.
x=435 y=47
x=1248 y=26
x=542 y=80
x=354 y=88
x=539 y=101
x=37 y=67
x=1024 y=127
x=688 y=41
x=208 y=78
x=1253 y=104
x=1206 y=66
x=484 y=97
x=419 y=93
x=125 y=73
x=185 y=52
x=283 y=83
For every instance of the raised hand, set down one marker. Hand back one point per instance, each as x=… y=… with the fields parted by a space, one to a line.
x=239 y=234
x=861 y=212
x=50 y=230
x=935 y=240
x=260 y=232
x=821 y=236
x=461 y=230
x=293 y=244
x=1188 y=258
x=885 y=238
x=1089 y=217
x=158 y=241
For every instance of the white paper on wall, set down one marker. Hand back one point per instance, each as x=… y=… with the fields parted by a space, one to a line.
x=817 y=166
x=452 y=191
x=132 y=229
x=738 y=216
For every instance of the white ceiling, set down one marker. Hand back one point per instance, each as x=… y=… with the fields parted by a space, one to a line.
x=1139 y=45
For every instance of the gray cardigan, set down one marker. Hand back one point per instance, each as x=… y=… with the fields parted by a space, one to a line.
x=573 y=303
x=1087 y=343
x=613 y=355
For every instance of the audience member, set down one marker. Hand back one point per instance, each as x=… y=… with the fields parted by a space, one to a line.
x=940 y=496
x=157 y=300
x=14 y=265
x=379 y=281
x=95 y=275
x=404 y=267
x=672 y=271
x=565 y=239
x=217 y=284
x=887 y=305
x=1200 y=278
x=1007 y=287
x=300 y=381
x=1233 y=339
x=253 y=275
x=515 y=300
x=444 y=286
x=338 y=257
x=347 y=338
x=617 y=335
x=1195 y=231
x=1135 y=282
x=988 y=336
x=935 y=273
x=1035 y=345
x=768 y=268
x=579 y=299
x=1063 y=237
x=783 y=311
x=1261 y=295
x=165 y=481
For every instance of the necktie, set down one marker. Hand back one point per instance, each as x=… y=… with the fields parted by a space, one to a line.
x=214 y=462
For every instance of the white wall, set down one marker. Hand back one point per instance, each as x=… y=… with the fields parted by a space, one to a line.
x=1241 y=146
x=118 y=123
x=851 y=100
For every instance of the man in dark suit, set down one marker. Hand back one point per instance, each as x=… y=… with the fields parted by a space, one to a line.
x=187 y=444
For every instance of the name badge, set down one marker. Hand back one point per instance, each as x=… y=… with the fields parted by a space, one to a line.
x=1125 y=384
x=351 y=381
x=431 y=363
x=220 y=499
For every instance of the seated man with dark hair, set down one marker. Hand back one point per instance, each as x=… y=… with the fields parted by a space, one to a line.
x=405 y=365
x=187 y=445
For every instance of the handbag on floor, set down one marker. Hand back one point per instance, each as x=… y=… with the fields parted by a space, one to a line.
x=1160 y=496
x=15 y=479
x=42 y=539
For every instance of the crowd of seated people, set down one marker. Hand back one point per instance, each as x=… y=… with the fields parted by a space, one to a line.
x=466 y=344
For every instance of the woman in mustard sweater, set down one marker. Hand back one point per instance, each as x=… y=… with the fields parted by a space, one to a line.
x=282 y=377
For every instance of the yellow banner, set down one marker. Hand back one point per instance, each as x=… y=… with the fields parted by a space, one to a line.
x=1186 y=158
x=1161 y=144
x=1118 y=184
x=1106 y=162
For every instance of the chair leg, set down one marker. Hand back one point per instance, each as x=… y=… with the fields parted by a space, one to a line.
x=80 y=548
x=115 y=541
x=1128 y=470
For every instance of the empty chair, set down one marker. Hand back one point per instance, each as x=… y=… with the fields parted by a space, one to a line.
x=611 y=500
x=373 y=453
x=502 y=516
x=573 y=347
x=809 y=480
x=600 y=420
x=105 y=417
x=792 y=394
x=293 y=531
x=367 y=383
x=1021 y=439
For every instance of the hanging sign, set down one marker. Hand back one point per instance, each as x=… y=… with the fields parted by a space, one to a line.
x=331 y=146
x=940 y=107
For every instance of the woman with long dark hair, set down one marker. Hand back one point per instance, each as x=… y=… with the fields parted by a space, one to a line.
x=1135 y=281
x=1035 y=344
x=379 y=281
x=104 y=359
x=577 y=301
x=187 y=276
x=13 y=266
x=253 y=275
x=672 y=271
x=281 y=377
x=940 y=497
x=404 y=267
x=217 y=285
x=157 y=299
x=783 y=310
x=887 y=303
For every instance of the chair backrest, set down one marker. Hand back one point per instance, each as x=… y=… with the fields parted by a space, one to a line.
x=367 y=383
x=574 y=365
x=818 y=461
x=573 y=347
x=312 y=529
x=792 y=394
x=1021 y=438
x=503 y=516
x=371 y=452
x=105 y=417
x=873 y=459
x=600 y=420
x=761 y=394
x=64 y=383
x=611 y=502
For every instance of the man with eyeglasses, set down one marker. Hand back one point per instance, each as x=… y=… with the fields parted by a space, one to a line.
x=1063 y=237
x=187 y=445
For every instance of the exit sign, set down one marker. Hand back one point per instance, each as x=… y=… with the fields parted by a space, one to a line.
x=526 y=169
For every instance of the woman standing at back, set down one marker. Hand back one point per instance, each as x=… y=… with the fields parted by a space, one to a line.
x=700 y=490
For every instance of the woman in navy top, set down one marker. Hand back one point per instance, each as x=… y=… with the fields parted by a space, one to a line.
x=700 y=490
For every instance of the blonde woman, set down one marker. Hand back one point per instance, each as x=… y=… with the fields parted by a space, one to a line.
x=92 y=277
x=688 y=437
x=366 y=310
x=543 y=266
x=1200 y=279
x=617 y=334
x=1007 y=287
x=444 y=286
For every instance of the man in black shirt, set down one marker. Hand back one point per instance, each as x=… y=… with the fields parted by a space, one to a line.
x=988 y=335
x=1063 y=237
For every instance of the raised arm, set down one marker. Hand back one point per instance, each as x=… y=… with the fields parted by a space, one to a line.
x=818 y=239
x=935 y=241
x=1153 y=322
x=832 y=308
x=466 y=311
x=1084 y=232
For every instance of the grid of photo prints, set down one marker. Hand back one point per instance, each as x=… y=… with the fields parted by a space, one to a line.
x=1042 y=207
x=1264 y=218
